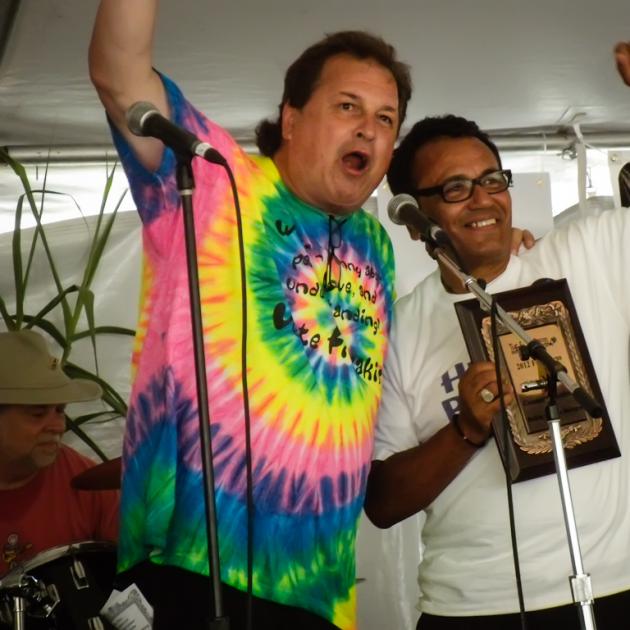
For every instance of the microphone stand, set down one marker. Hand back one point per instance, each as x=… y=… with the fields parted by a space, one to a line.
x=580 y=581
x=26 y=591
x=186 y=185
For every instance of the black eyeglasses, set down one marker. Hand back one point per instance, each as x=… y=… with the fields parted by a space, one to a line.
x=462 y=188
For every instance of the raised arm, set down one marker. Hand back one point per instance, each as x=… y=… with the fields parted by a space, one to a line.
x=121 y=67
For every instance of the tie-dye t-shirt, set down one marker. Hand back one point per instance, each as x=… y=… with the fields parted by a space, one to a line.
x=319 y=300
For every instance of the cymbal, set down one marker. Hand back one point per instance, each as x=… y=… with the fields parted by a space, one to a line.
x=105 y=476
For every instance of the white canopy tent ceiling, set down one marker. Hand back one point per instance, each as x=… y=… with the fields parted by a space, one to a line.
x=510 y=65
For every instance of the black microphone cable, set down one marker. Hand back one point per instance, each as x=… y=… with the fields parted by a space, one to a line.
x=246 y=410
x=506 y=464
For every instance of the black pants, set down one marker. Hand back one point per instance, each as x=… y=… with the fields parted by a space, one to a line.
x=180 y=601
x=611 y=613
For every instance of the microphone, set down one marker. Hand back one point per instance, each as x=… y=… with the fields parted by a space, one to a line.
x=403 y=209
x=143 y=119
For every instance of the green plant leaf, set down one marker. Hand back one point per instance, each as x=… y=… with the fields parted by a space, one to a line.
x=52 y=304
x=99 y=243
x=17 y=256
x=97 y=247
x=109 y=180
x=103 y=330
x=109 y=415
x=72 y=311
x=16 y=249
x=21 y=281
x=40 y=214
x=9 y=321
x=48 y=327
x=110 y=395
x=71 y=425
x=86 y=300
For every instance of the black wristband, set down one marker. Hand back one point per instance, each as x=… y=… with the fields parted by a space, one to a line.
x=455 y=421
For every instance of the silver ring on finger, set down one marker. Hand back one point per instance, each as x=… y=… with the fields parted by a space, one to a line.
x=486 y=395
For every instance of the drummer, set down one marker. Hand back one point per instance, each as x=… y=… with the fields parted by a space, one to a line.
x=38 y=508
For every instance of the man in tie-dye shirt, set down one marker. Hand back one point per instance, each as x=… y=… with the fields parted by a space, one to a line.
x=319 y=284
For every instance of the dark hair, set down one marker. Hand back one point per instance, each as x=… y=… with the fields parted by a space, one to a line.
x=303 y=74
x=400 y=176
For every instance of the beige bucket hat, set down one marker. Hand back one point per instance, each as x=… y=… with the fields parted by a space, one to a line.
x=30 y=375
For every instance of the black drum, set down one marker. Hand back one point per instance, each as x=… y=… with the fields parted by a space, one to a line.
x=62 y=588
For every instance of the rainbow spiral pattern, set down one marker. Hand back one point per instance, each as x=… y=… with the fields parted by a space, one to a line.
x=319 y=300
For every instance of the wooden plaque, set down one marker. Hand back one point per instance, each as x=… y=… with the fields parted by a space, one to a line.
x=546 y=311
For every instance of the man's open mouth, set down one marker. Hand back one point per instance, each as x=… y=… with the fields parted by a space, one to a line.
x=356 y=161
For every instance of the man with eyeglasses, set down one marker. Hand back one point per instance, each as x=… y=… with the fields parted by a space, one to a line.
x=433 y=449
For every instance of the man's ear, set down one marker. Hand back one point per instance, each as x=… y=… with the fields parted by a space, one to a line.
x=288 y=120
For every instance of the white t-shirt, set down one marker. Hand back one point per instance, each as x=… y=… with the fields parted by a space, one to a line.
x=467 y=568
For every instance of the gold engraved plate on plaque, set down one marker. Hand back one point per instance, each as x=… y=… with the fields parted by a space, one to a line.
x=551 y=325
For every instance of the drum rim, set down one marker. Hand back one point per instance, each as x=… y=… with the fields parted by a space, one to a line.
x=54 y=553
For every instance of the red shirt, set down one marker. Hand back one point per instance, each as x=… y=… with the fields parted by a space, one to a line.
x=47 y=512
